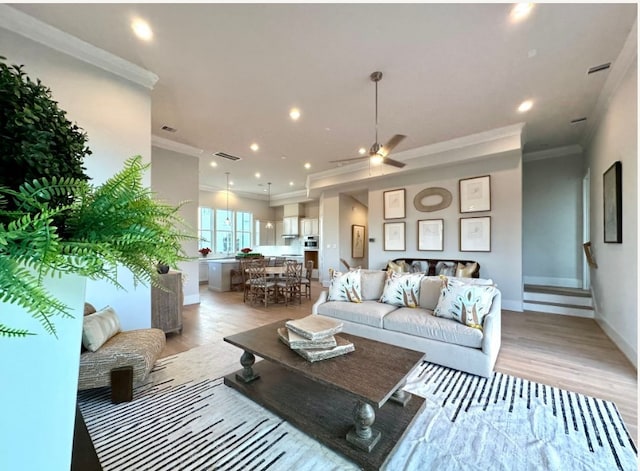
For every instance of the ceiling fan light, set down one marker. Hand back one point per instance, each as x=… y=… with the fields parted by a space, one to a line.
x=376 y=159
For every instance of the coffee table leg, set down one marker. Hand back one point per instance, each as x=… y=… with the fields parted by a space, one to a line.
x=401 y=396
x=247 y=360
x=362 y=435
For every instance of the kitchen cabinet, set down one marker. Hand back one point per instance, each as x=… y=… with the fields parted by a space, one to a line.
x=310 y=227
x=290 y=225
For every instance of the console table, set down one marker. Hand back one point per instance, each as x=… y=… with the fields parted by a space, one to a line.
x=166 y=304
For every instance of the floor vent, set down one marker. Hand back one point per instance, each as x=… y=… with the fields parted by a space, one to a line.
x=224 y=155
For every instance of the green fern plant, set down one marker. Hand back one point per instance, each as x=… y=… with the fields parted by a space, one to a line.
x=116 y=223
x=54 y=222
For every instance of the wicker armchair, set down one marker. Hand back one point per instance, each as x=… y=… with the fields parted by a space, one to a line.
x=121 y=362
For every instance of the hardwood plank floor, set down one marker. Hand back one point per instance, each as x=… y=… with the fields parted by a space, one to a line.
x=567 y=352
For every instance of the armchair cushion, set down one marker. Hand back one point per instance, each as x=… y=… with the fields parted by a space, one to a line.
x=99 y=327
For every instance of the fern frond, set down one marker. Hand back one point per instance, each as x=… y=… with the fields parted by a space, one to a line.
x=10 y=332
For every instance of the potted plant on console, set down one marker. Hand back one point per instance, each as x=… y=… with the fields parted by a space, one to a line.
x=57 y=230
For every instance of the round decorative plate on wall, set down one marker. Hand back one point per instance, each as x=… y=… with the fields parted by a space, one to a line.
x=443 y=193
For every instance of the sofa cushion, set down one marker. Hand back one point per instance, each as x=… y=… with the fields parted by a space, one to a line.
x=446 y=268
x=464 y=302
x=465 y=270
x=99 y=327
x=421 y=323
x=372 y=284
x=430 y=287
x=367 y=312
x=345 y=287
x=402 y=289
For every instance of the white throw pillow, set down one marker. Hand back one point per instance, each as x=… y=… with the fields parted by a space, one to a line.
x=345 y=287
x=402 y=289
x=464 y=302
x=372 y=284
x=99 y=327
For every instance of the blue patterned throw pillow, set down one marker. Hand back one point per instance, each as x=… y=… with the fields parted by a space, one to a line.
x=402 y=289
x=345 y=287
x=464 y=302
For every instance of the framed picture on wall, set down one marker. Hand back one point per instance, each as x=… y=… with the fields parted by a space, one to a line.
x=357 y=241
x=612 y=197
x=394 y=204
x=475 y=234
x=475 y=194
x=431 y=234
x=394 y=236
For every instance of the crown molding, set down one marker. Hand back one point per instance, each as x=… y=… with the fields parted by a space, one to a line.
x=465 y=148
x=179 y=147
x=552 y=153
x=628 y=55
x=43 y=33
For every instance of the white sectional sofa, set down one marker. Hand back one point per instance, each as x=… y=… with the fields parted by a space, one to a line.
x=445 y=341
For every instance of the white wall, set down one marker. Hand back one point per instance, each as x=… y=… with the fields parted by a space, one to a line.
x=552 y=221
x=615 y=281
x=116 y=114
x=174 y=179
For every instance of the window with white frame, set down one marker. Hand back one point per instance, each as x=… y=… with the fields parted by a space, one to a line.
x=224 y=232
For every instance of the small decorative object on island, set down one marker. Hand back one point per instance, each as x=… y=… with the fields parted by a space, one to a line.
x=312 y=338
x=204 y=251
x=245 y=250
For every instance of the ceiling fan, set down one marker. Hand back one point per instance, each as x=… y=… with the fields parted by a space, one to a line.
x=377 y=150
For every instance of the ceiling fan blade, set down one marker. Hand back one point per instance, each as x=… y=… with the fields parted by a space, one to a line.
x=353 y=159
x=391 y=143
x=395 y=163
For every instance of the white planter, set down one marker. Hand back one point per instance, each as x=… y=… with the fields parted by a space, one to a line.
x=38 y=384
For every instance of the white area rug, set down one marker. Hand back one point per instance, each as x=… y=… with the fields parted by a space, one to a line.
x=185 y=418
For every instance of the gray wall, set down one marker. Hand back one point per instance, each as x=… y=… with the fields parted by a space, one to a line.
x=615 y=281
x=174 y=179
x=552 y=221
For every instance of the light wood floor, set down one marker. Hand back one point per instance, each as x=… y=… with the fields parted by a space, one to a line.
x=567 y=352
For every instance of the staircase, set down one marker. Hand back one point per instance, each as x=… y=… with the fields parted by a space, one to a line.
x=558 y=300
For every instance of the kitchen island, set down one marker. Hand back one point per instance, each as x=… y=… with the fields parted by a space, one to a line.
x=220 y=273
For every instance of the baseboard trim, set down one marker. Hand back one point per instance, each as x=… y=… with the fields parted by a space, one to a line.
x=191 y=299
x=512 y=305
x=628 y=350
x=553 y=281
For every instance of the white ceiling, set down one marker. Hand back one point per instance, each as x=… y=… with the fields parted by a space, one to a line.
x=229 y=73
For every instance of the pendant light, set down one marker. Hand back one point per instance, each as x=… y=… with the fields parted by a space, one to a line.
x=227 y=221
x=269 y=225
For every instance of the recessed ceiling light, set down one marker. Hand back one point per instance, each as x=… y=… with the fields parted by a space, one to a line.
x=362 y=150
x=254 y=147
x=142 y=29
x=307 y=165
x=257 y=174
x=294 y=114
x=231 y=183
x=525 y=106
x=214 y=164
x=284 y=157
x=520 y=11
x=290 y=183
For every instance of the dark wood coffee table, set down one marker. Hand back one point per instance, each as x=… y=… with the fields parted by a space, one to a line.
x=342 y=402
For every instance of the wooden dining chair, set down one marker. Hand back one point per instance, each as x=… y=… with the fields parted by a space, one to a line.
x=289 y=285
x=306 y=280
x=260 y=287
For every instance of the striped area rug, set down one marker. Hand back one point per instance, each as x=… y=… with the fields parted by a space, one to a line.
x=185 y=418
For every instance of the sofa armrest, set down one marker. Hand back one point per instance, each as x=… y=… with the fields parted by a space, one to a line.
x=321 y=299
x=492 y=328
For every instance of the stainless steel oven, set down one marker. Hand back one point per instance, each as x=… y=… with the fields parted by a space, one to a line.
x=311 y=243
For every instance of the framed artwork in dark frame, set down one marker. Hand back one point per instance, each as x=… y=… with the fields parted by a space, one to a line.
x=612 y=200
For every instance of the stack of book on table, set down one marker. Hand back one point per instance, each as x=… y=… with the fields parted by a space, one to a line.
x=313 y=338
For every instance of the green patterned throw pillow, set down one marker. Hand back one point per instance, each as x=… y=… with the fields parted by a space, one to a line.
x=345 y=287
x=402 y=289
x=464 y=302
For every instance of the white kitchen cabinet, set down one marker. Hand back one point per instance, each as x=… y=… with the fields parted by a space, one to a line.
x=290 y=225
x=310 y=227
